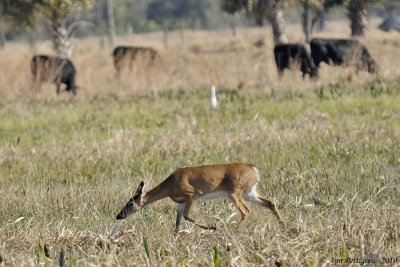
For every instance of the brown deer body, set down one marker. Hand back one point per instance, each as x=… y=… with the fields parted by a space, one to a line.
x=237 y=182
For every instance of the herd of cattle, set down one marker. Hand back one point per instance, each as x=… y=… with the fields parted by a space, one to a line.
x=342 y=52
x=337 y=52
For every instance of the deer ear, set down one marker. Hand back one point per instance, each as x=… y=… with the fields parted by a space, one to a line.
x=139 y=190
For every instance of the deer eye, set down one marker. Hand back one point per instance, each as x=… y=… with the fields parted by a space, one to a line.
x=130 y=204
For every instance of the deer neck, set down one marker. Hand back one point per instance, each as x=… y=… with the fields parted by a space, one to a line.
x=157 y=193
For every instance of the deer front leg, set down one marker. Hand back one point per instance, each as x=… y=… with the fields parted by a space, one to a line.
x=189 y=204
x=244 y=210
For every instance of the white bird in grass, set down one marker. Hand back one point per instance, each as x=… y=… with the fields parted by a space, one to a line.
x=213 y=100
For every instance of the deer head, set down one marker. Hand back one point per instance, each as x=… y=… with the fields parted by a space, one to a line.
x=134 y=204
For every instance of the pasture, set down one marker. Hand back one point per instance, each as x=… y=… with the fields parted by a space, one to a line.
x=328 y=152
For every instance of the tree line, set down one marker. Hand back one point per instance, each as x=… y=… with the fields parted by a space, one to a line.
x=271 y=10
x=63 y=18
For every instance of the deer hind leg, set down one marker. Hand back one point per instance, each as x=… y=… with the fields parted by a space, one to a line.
x=271 y=205
x=179 y=215
x=188 y=205
x=244 y=210
x=255 y=198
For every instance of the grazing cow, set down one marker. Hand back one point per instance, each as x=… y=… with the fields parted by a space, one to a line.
x=343 y=52
x=53 y=69
x=128 y=54
x=390 y=23
x=288 y=54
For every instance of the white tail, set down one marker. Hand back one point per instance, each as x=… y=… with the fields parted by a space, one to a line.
x=238 y=182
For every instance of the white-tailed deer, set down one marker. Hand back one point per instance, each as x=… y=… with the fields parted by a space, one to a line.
x=237 y=182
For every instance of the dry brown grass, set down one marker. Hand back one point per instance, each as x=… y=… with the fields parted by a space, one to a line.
x=205 y=58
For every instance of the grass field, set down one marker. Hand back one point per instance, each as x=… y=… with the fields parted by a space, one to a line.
x=329 y=157
x=328 y=152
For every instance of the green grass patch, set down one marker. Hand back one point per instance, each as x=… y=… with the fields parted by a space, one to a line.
x=329 y=157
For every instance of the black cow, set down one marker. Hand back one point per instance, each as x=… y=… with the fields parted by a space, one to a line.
x=53 y=69
x=390 y=23
x=128 y=54
x=287 y=55
x=343 y=52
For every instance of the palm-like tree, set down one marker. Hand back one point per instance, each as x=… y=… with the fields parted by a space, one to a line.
x=55 y=12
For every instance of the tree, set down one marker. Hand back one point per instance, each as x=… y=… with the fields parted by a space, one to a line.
x=274 y=15
x=172 y=13
x=56 y=12
x=309 y=21
x=357 y=13
x=17 y=13
x=318 y=21
x=306 y=19
x=262 y=10
x=2 y=38
x=24 y=13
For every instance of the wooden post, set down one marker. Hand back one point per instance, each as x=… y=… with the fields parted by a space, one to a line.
x=165 y=39
x=2 y=39
x=182 y=34
x=233 y=25
x=111 y=24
